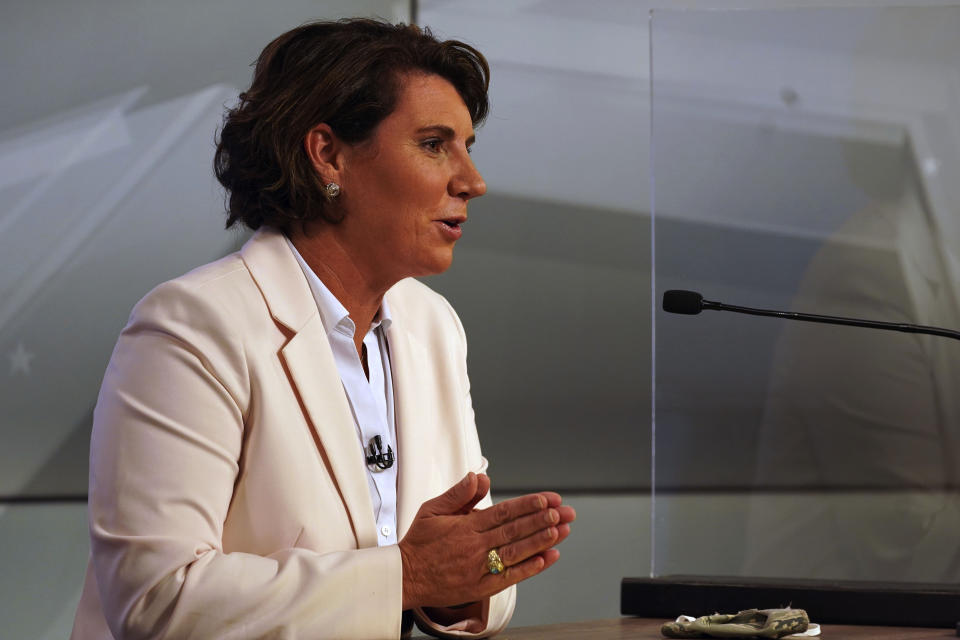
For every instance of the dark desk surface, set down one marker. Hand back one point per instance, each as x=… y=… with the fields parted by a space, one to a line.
x=646 y=629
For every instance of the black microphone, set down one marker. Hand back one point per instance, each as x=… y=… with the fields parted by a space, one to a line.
x=377 y=456
x=692 y=303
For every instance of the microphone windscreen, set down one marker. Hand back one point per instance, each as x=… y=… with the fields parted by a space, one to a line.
x=680 y=301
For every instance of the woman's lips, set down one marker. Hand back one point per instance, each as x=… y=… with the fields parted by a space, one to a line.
x=451 y=229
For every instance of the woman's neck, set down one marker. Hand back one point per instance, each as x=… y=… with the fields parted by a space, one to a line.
x=342 y=274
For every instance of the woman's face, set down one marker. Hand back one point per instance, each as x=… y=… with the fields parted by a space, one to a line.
x=405 y=191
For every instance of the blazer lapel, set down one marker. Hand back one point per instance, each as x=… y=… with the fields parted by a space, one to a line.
x=313 y=373
x=413 y=426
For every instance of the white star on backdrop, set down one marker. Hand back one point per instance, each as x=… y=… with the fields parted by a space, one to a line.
x=20 y=360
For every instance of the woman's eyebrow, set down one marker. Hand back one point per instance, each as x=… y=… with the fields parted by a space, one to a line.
x=445 y=132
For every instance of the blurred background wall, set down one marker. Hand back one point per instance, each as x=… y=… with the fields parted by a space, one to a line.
x=106 y=189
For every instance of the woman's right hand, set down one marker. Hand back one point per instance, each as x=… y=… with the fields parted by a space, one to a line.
x=444 y=552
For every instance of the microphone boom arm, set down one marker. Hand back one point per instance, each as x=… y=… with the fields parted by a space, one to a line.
x=852 y=322
x=690 y=302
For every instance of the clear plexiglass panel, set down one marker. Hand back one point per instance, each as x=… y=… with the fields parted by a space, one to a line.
x=807 y=160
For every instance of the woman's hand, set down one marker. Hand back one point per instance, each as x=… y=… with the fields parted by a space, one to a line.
x=444 y=552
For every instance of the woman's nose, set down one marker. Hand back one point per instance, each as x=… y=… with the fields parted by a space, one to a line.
x=468 y=183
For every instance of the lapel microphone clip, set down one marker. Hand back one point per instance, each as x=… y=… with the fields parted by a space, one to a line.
x=377 y=456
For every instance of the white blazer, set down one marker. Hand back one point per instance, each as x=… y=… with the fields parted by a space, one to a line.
x=228 y=496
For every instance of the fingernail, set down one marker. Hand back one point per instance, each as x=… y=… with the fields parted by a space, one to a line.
x=466 y=479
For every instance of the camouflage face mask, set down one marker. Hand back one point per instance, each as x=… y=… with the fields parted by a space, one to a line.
x=751 y=623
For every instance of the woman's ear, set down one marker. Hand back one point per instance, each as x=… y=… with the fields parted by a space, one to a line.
x=325 y=152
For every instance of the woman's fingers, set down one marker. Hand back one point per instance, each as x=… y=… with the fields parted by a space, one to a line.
x=549 y=557
x=522 y=527
x=539 y=541
x=530 y=567
x=567 y=514
x=553 y=499
x=503 y=512
x=483 y=487
x=493 y=583
x=518 y=551
x=509 y=510
x=453 y=499
x=526 y=526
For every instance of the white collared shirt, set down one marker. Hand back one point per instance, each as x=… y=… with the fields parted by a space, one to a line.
x=371 y=401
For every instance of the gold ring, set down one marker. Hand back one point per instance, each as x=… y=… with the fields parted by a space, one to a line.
x=494 y=563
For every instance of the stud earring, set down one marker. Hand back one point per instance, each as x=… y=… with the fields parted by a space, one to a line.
x=331 y=190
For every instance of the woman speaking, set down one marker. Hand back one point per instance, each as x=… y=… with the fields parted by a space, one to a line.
x=284 y=444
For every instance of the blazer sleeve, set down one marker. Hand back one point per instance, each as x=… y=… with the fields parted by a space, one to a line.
x=497 y=610
x=167 y=441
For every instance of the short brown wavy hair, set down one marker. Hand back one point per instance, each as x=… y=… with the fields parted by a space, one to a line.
x=344 y=73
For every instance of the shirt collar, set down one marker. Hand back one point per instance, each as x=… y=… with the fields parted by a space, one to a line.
x=334 y=315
